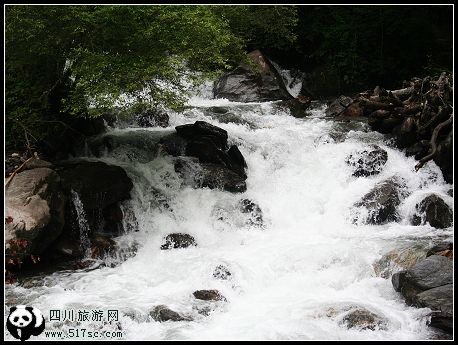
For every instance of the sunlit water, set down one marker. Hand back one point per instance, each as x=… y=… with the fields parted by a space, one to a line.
x=308 y=260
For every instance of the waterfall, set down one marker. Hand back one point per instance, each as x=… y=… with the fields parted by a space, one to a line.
x=83 y=225
x=295 y=277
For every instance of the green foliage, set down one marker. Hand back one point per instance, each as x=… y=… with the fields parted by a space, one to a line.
x=79 y=59
x=261 y=27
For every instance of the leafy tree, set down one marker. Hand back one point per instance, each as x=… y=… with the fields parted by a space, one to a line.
x=78 y=60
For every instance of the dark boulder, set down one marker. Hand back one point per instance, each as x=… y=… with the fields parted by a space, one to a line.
x=381 y=202
x=368 y=162
x=162 y=313
x=383 y=125
x=433 y=210
x=201 y=129
x=210 y=175
x=236 y=161
x=252 y=84
x=296 y=107
x=444 y=157
x=97 y=184
x=178 y=240
x=363 y=319
x=338 y=106
x=207 y=152
x=209 y=295
x=173 y=144
x=101 y=246
x=113 y=217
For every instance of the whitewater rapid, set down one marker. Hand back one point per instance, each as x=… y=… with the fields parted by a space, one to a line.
x=290 y=279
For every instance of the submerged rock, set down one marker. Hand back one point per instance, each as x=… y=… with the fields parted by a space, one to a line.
x=433 y=210
x=368 y=162
x=363 y=319
x=178 y=241
x=162 y=313
x=209 y=295
x=222 y=272
x=381 y=203
x=255 y=212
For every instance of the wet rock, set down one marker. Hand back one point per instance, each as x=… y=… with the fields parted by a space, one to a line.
x=162 y=313
x=297 y=107
x=34 y=214
x=152 y=118
x=338 y=106
x=209 y=295
x=101 y=246
x=440 y=301
x=405 y=134
x=173 y=144
x=217 y=177
x=236 y=160
x=203 y=129
x=97 y=184
x=444 y=157
x=383 y=125
x=450 y=192
x=368 y=162
x=444 y=249
x=178 y=241
x=210 y=175
x=433 y=210
x=248 y=206
x=399 y=259
x=381 y=203
x=207 y=151
x=222 y=272
x=113 y=217
x=418 y=150
x=432 y=272
x=252 y=84
x=363 y=319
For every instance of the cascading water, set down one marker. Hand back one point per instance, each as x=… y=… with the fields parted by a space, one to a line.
x=83 y=225
x=295 y=277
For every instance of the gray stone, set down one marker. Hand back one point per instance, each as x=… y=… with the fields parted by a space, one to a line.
x=35 y=207
x=433 y=210
x=162 y=313
x=209 y=295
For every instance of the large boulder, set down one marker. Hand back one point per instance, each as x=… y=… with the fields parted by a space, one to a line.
x=35 y=207
x=368 y=162
x=380 y=204
x=97 y=184
x=433 y=210
x=429 y=284
x=208 y=161
x=338 y=106
x=258 y=82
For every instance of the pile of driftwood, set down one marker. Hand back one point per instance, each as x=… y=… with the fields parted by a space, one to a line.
x=419 y=117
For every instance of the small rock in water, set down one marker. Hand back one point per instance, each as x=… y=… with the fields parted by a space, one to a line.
x=178 y=241
x=221 y=272
x=444 y=249
x=368 y=162
x=209 y=295
x=433 y=210
x=162 y=313
x=248 y=206
x=363 y=319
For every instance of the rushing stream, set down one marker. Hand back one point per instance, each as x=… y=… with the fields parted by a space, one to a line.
x=294 y=277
